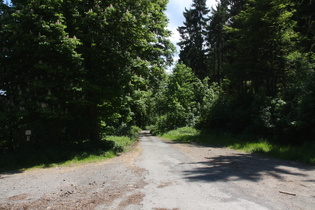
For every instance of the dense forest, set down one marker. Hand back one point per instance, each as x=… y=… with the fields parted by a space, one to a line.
x=246 y=67
x=74 y=71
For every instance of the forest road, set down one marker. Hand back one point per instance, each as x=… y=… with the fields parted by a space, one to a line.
x=160 y=175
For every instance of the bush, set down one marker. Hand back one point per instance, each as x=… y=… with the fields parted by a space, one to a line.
x=134 y=132
x=184 y=100
x=183 y=134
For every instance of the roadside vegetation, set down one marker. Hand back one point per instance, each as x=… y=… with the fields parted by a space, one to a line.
x=303 y=153
x=76 y=77
x=68 y=155
x=244 y=87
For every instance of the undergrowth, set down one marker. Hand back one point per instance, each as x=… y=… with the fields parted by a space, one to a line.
x=52 y=156
x=303 y=153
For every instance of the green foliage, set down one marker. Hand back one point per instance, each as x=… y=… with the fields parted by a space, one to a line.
x=256 y=46
x=183 y=99
x=73 y=70
x=216 y=38
x=134 y=132
x=39 y=65
x=305 y=24
x=86 y=152
x=303 y=153
x=183 y=134
x=262 y=43
x=193 y=52
x=306 y=111
x=121 y=142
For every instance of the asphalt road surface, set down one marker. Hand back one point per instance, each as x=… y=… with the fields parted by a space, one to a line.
x=160 y=175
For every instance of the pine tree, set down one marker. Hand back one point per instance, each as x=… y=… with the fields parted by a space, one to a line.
x=216 y=40
x=263 y=39
x=306 y=23
x=192 y=44
x=218 y=37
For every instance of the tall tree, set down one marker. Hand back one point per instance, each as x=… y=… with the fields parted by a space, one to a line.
x=124 y=42
x=218 y=37
x=176 y=103
x=39 y=68
x=263 y=41
x=216 y=41
x=306 y=23
x=306 y=27
x=70 y=67
x=192 y=44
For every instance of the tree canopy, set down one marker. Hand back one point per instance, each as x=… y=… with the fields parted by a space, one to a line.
x=71 y=69
x=261 y=54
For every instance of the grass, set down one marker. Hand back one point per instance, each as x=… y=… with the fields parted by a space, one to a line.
x=304 y=153
x=76 y=160
x=59 y=156
x=120 y=141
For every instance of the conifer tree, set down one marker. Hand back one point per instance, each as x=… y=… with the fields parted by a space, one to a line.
x=263 y=39
x=216 y=40
x=192 y=44
x=306 y=23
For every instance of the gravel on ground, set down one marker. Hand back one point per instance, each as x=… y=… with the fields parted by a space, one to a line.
x=159 y=174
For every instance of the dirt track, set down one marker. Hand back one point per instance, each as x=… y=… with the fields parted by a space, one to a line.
x=163 y=175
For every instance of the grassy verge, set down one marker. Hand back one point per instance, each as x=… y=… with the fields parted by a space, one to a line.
x=65 y=156
x=304 y=153
x=120 y=143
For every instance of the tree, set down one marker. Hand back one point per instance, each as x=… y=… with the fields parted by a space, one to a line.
x=175 y=102
x=39 y=65
x=183 y=99
x=218 y=37
x=124 y=45
x=192 y=44
x=72 y=67
x=306 y=27
x=306 y=23
x=263 y=43
x=216 y=40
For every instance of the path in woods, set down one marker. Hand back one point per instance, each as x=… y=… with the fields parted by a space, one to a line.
x=160 y=175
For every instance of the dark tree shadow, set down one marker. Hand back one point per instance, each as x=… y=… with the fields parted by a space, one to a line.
x=45 y=157
x=4 y=175
x=243 y=167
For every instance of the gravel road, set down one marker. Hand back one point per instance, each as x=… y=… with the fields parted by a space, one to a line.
x=162 y=175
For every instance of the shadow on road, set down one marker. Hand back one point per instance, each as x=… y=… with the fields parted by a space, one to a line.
x=5 y=175
x=243 y=167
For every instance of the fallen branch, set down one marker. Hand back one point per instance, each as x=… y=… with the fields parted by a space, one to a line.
x=287 y=193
